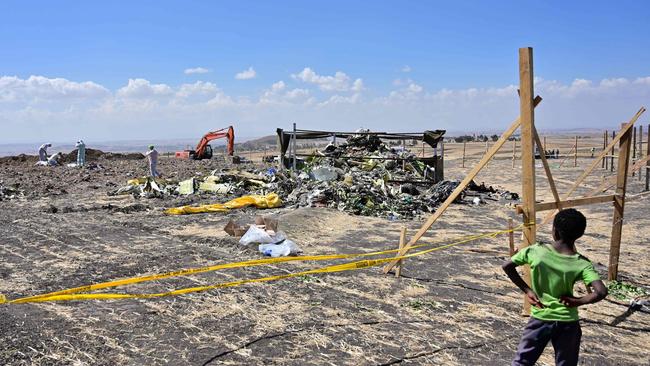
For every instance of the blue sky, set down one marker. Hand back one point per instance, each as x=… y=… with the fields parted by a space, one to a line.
x=403 y=49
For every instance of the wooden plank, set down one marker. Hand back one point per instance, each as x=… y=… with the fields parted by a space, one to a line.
x=402 y=242
x=624 y=128
x=527 y=115
x=545 y=206
x=611 y=181
x=459 y=189
x=567 y=156
x=547 y=169
x=619 y=204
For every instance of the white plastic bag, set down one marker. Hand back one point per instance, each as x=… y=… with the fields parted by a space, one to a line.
x=256 y=235
x=283 y=249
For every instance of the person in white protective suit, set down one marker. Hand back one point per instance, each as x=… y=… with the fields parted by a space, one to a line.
x=81 y=153
x=152 y=155
x=54 y=159
x=42 y=152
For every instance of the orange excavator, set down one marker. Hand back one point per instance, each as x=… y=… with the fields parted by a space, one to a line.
x=204 y=150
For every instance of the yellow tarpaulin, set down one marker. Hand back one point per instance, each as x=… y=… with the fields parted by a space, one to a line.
x=271 y=200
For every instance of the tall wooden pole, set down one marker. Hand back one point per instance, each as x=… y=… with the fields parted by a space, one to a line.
x=634 y=143
x=544 y=144
x=604 y=146
x=633 y=146
x=640 y=149
x=527 y=115
x=619 y=204
x=647 y=166
x=611 y=161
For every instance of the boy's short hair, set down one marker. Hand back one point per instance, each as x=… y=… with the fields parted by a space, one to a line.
x=570 y=224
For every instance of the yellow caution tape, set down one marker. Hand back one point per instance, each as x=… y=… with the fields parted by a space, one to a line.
x=73 y=293
x=271 y=200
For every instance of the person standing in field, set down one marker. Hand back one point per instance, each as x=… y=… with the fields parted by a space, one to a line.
x=555 y=268
x=42 y=152
x=152 y=155
x=81 y=153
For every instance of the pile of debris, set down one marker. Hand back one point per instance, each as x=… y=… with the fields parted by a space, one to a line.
x=362 y=176
x=147 y=187
x=7 y=193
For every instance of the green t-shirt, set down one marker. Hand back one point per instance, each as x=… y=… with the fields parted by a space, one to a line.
x=553 y=275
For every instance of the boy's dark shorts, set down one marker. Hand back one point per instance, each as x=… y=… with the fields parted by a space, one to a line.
x=565 y=337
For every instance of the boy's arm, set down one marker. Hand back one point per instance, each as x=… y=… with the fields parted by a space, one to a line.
x=510 y=268
x=599 y=293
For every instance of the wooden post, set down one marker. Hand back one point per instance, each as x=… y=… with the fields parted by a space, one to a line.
x=463 y=164
x=514 y=152
x=634 y=143
x=527 y=115
x=402 y=242
x=422 y=148
x=604 y=147
x=611 y=161
x=575 y=153
x=544 y=144
x=511 y=238
x=619 y=204
x=640 y=149
x=640 y=141
x=633 y=146
x=647 y=169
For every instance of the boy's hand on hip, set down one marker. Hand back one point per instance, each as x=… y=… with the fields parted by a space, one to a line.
x=533 y=299
x=571 y=302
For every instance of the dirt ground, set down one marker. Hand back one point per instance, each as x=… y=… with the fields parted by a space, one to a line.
x=451 y=307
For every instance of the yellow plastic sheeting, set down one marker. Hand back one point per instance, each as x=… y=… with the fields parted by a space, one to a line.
x=271 y=200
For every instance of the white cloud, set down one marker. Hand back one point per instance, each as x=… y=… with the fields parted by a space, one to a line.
x=246 y=74
x=199 y=88
x=280 y=85
x=339 y=82
x=279 y=94
x=406 y=68
x=142 y=88
x=52 y=108
x=196 y=70
x=42 y=89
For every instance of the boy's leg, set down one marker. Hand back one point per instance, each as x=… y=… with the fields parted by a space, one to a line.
x=536 y=335
x=566 y=343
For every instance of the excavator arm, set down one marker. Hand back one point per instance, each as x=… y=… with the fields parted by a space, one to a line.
x=228 y=133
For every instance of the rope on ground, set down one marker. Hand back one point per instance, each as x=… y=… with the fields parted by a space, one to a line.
x=74 y=293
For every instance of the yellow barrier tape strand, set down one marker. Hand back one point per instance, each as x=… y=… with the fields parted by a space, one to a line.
x=243 y=264
x=69 y=295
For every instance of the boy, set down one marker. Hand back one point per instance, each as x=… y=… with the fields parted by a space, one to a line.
x=555 y=268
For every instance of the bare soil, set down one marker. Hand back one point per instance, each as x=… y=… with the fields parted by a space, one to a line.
x=452 y=307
